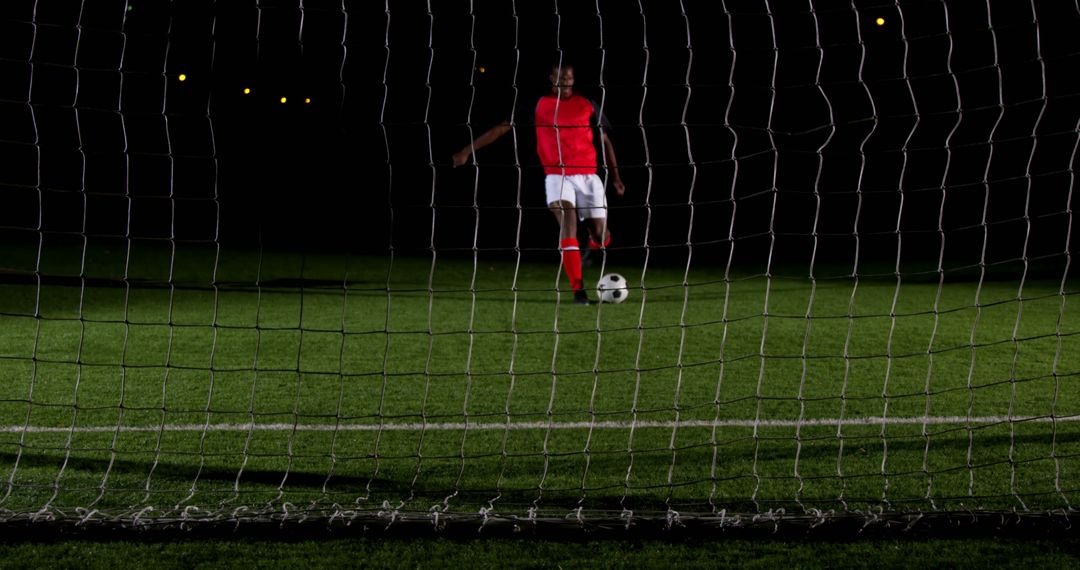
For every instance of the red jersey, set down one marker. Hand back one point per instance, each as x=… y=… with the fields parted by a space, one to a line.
x=567 y=134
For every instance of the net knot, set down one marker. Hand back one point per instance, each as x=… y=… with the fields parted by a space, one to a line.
x=773 y=516
x=578 y=516
x=820 y=516
x=872 y=518
x=672 y=519
x=485 y=516
x=43 y=515
x=389 y=513
x=914 y=520
x=285 y=507
x=85 y=515
x=238 y=515
x=189 y=513
x=136 y=519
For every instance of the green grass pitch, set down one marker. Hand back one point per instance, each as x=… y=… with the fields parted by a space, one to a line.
x=323 y=382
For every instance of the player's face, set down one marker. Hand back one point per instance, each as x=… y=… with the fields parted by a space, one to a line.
x=563 y=83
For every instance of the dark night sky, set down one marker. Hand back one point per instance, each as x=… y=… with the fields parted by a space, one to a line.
x=317 y=175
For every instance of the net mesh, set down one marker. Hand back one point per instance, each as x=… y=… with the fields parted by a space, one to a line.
x=242 y=283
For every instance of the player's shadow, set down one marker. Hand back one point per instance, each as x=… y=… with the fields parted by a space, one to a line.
x=437 y=484
x=184 y=472
x=530 y=297
x=605 y=487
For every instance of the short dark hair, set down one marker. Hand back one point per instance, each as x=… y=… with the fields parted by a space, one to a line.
x=557 y=64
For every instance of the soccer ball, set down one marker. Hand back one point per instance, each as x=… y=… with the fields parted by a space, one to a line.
x=612 y=288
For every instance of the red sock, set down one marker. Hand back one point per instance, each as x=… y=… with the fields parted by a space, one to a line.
x=571 y=260
x=594 y=245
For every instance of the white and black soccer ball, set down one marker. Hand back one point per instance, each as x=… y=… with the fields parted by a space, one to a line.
x=612 y=288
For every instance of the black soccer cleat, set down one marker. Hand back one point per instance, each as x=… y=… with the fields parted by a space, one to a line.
x=590 y=257
x=581 y=297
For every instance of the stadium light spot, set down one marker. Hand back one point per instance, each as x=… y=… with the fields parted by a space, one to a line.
x=247 y=91
x=880 y=21
x=182 y=77
x=283 y=100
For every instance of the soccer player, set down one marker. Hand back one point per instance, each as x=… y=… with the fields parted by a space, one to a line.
x=569 y=132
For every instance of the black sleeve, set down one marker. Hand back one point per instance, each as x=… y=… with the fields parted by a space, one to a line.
x=600 y=119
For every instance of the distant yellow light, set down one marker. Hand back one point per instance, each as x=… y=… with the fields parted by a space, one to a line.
x=247 y=91
x=307 y=99
x=880 y=21
x=182 y=77
x=482 y=69
x=283 y=99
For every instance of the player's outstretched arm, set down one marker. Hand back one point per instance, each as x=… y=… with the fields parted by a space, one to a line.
x=492 y=135
x=613 y=166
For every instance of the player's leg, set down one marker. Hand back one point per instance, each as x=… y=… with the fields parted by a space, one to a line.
x=599 y=235
x=560 y=200
x=594 y=252
x=566 y=215
x=592 y=209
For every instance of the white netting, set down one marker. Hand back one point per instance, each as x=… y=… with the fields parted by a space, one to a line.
x=239 y=280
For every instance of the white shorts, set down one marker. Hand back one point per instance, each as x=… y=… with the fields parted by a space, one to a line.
x=584 y=191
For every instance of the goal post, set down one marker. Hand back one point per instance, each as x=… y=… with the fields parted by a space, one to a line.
x=243 y=283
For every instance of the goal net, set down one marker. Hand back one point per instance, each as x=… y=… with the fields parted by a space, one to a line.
x=242 y=280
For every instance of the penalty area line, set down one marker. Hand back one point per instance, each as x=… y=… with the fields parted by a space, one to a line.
x=503 y=426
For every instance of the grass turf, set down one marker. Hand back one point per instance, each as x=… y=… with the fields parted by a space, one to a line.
x=412 y=372
x=996 y=553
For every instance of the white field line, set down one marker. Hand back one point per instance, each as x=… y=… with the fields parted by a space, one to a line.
x=502 y=426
